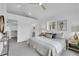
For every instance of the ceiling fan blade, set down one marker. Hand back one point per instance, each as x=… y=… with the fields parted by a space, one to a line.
x=43 y=7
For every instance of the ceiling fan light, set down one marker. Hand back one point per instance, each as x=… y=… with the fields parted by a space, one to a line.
x=40 y=4
x=43 y=7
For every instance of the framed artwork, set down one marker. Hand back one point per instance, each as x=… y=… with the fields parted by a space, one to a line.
x=62 y=25
x=51 y=25
x=1 y=24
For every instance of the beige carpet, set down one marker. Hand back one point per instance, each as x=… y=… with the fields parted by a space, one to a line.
x=20 y=49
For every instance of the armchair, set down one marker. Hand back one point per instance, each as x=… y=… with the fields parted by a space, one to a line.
x=4 y=45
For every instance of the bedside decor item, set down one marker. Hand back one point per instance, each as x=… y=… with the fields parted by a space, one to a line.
x=75 y=36
x=75 y=29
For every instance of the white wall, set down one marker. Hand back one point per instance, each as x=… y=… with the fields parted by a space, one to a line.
x=59 y=12
x=25 y=26
x=72 y=17
x=3 y=11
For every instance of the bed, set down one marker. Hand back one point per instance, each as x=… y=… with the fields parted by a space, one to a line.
x=47 y=47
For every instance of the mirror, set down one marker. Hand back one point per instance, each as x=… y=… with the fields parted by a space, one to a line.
x=1 y=24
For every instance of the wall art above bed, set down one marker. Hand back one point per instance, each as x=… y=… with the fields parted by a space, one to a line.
x=51 y=25
x=62 y=25
x=58 y=25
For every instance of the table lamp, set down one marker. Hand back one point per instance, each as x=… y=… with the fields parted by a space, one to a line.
x=76 y=30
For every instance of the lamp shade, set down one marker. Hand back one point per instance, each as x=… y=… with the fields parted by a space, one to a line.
x=75 y=29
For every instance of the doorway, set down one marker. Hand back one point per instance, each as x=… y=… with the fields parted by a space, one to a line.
x=12 y=25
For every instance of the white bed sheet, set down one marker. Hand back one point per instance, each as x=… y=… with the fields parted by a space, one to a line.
x=48 y=46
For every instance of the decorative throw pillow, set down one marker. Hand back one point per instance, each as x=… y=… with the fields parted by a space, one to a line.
x=53 y=35
x=59 y=35
x=48 y=35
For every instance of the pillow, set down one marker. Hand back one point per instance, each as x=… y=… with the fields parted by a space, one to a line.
x=42 y=34
x=59 y=35
x=50 y=35
x=53 y=35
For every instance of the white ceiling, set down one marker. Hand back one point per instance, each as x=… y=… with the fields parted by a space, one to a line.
x=35 y=11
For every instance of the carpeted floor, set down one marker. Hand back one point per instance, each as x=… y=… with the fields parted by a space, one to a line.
x=70 y=53
x=21 y=49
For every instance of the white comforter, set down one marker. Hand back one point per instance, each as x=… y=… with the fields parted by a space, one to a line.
x=47 y=46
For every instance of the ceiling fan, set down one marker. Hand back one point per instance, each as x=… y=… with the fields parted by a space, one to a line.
x=42 y=6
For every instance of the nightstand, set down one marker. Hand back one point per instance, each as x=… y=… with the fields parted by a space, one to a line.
x=73 y=44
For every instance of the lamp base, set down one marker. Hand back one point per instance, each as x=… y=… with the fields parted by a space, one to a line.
x=75 y=36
